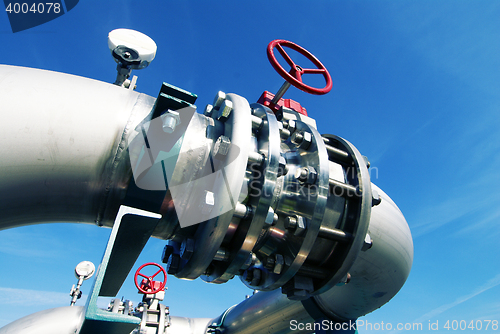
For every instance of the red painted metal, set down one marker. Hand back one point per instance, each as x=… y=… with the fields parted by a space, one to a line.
x=148 y=285
x=294 y=76
x=267 y=97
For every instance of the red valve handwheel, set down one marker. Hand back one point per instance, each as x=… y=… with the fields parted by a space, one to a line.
x=150 y=278
x=294 y=76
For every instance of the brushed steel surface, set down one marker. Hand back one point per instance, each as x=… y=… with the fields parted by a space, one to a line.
x=63 y=151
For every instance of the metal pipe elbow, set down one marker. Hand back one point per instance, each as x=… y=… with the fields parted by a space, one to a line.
x=380 y=269
x=64 y=146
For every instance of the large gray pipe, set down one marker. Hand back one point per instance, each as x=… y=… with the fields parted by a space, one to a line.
x=63 y=152
x=68 y=320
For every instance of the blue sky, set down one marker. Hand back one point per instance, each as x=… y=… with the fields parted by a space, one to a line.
x=416 y=89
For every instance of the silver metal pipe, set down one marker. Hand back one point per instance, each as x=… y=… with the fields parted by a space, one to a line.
x=183 y=325
x=69 y=319
x=63 y=146
x=265 y=312
x=66 y=319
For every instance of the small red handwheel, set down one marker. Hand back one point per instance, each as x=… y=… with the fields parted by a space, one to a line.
x=294 y=76
x=150 y=279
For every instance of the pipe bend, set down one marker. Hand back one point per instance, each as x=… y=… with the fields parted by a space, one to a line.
x=63 y=146
x=379 y=272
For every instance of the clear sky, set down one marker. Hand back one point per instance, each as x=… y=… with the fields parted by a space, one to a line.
x=416 y=89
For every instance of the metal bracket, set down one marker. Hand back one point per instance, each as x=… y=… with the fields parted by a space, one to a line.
x=131 y=231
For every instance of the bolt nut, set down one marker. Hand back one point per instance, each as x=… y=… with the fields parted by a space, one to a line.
x=219 y=98
x=367 y=161
x=284 y=134
x=301 y=174
x=187 y=249
x=271 y=217
x=292 y=125
x=173 y=264
x=298 y=288
x=251 y=260
x=222 y=255
x=376 y=199
x=367 y=243
x=221 y=147
x=208 y=110
x=296 y=224
x=306 y=175
x=302 y=139
x=257 y=123
x=207 y=202
x=269 y=263
x=170 y=120
x=345 y=280
x=282 y=168
x=255 y=158
x=225 y=110
x=167 y=251
x=279 y=262
x=291 y=222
